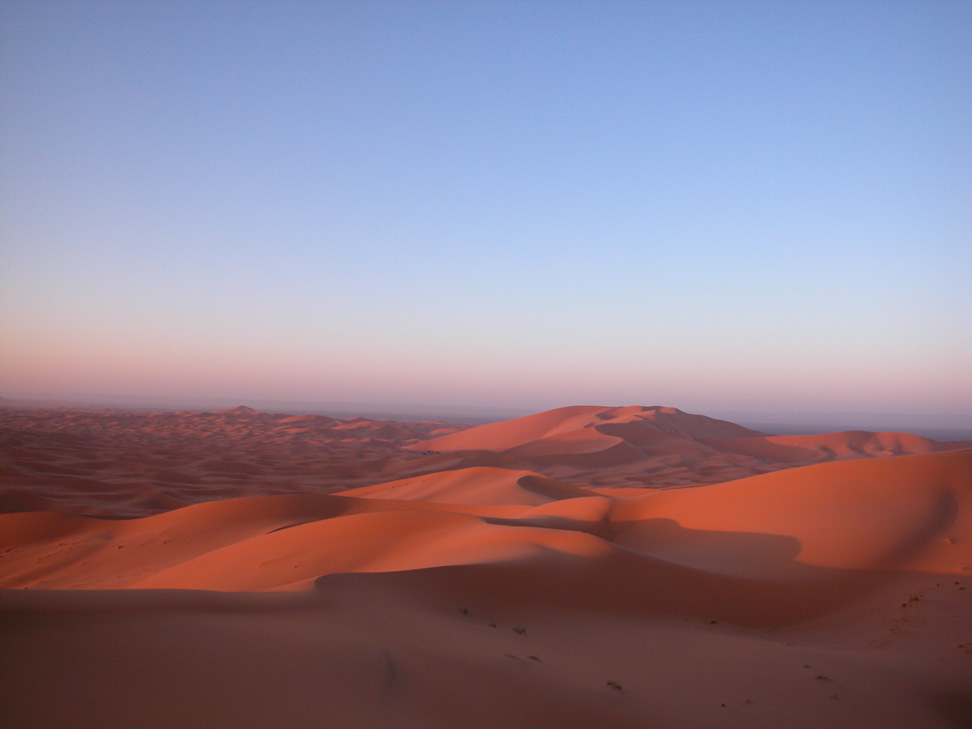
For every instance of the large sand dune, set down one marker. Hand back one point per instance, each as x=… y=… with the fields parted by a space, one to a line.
x=658 y=446
x=830 y=586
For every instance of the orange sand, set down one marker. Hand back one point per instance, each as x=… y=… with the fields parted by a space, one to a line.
x=610 y=567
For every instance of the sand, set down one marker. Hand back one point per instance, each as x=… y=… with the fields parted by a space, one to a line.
x=588 y=566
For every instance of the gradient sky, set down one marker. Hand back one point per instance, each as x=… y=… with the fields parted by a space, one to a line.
x=711 y=205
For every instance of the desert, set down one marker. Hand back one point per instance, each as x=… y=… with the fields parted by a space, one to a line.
x=585 y=566
x=407 y=364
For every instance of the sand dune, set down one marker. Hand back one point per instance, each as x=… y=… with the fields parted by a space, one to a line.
x=804 y=527
x=659 y=446
x=577 y=429
x=449 y=594
x=829 y=446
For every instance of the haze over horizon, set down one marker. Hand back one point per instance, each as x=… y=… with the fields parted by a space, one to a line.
x=754 y=207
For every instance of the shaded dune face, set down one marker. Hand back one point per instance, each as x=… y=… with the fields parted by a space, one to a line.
x=255 y=570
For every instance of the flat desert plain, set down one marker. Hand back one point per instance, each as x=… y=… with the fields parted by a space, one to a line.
x=583 y=567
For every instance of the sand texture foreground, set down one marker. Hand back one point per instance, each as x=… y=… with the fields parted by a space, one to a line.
x=584 y=567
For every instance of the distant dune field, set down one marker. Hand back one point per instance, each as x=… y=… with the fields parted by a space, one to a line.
x=582 y=567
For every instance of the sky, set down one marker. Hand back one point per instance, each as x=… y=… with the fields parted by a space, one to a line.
x=755 y=206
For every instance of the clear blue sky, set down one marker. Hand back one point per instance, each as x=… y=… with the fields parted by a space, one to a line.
x=711 y=205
